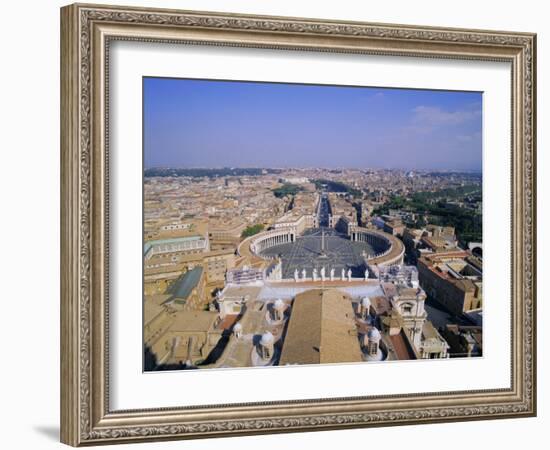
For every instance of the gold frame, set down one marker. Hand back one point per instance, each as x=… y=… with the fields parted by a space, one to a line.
x=86 y=31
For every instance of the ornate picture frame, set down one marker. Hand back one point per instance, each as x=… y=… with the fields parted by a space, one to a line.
x=86 y=34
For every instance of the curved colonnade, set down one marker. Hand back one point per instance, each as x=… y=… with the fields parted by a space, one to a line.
x=389 y=249
x=254 y=245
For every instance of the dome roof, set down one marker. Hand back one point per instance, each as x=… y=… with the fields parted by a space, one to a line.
x=378 y=356
x=374 y=334
x=267 y=338
x=279 y=304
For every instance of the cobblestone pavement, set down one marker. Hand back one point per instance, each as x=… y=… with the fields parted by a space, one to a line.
x=321 y=247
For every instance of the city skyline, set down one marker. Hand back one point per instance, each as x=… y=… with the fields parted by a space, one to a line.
x=215 y=124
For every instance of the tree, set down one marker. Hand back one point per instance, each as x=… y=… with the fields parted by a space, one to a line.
x=252 y=230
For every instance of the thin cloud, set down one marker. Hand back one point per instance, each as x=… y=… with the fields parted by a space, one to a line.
x=468 y=137
x=427 y=118
x=433 y=115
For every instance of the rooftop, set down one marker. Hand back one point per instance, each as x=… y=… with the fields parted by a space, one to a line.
x=174 y=240
x=251 y=292
x=401 y=346
x=151 y=311
x=189 y=321
x=184 y=285
x=321 y=330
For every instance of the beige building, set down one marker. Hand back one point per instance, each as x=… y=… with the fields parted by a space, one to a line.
x=394 y=227
x=452 y=278
x=176 y=228
x=297 y=221
x=343 y=213
x=441 y=231
x=157 y=319
x=321 y=330
x=161 y=270
x=306 y=203
x=192 y=336
x=433 y=345
x=183 y=337
x=223 y=230
x=411 y=239
x=217 y=263
x=408 y=303
x=173 y=247
x=431 y=239
x=188 y=291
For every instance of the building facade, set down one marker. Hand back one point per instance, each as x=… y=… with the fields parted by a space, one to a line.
x=452 y=279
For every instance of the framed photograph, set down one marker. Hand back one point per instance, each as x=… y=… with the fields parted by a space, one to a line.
x=275 y=224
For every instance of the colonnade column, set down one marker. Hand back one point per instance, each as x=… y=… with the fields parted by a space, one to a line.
x=278 y=239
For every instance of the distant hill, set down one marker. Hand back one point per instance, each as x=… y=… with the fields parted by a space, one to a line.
x=211 y=173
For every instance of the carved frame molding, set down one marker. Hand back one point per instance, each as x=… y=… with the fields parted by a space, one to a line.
x=86 y=32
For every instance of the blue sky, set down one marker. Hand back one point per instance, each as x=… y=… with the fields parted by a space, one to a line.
x=206 y=123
